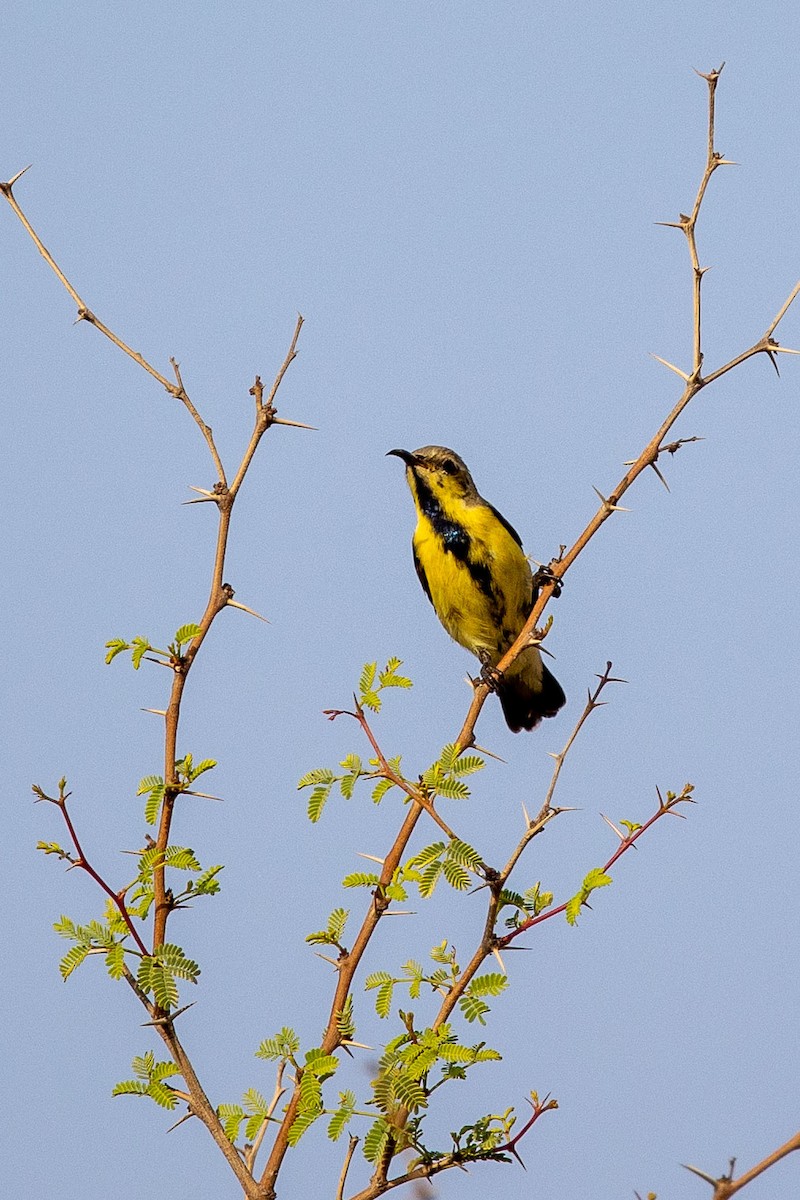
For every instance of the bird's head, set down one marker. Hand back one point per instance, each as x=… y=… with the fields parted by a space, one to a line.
x=437 y=470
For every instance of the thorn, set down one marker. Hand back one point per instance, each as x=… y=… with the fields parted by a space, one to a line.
x=243 y=607
x=202 y=491
x=660 y=476
x=727 y=162
x=358 y=1045
x=607 y=503
x=496 y=953
x=396 y=912
x=551 y=754
x=490 y=753
x=702 y=1174
x=332 y=961
x=671 y=224
x=160 y=712
x=170 y=1017
x=188 y=1117
x=783 y=349
x=6 y=187
x=296 y=424
x=526 y=815
x=201 y=500
x=371 y=857
x=618 y=832
x=774 y=362
x=202 y=795
x=671 y=367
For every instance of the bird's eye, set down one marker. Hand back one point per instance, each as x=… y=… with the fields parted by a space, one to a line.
x=449 y=466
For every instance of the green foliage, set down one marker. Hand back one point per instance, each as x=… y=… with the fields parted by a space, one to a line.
x=527 y=904
x=317 y=1068
x=369 y=692
x=342 y=1115
x=284 y=1045
x=332 y=934
x=92 y=938
x=452 y=860
x=595 y=879
x=159 y=972
x=154 y=787
x=150 y=1081
x=141 y=646
x=345 y=1022
x=254 y=1110
x=472 y=1002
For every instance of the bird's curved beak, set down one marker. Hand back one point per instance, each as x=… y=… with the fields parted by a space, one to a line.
x=406 y=455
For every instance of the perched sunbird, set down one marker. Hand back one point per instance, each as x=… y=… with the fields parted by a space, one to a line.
x=473 y=570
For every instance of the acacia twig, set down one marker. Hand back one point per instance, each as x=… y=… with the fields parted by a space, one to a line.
x=695 y=381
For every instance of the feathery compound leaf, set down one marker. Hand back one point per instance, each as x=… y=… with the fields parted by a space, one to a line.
x=185 y=634
x=114 y=647
x=361 y=879
x=428 y=854
x=380 y=789
x=317 y=801
x=371 y=700
x=452 y=789
x=72 y=959
x=206 y=764
x=383 y=999
x=254 y=1103
x=344 y=1020
x=409 y=1093
x=464 y=854
x=430 y=877
x=573 y=908
x=337 y=921
x=302 y=1122
x=231 y=1116
x=115 y=961
x=447 y=759
x=139 y=647
x=341 y=1118
x=368 y=672
x=473 y=1008
x=389 y=677
x=318 y=775
x=468 y=764
x=181 y=858
x=595 y=879
x=376 y=1139
x=491 y=984
x=455 y=875
x=284 y=1045
x=174 y=958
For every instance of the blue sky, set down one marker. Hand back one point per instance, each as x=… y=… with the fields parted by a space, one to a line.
x=462 y=200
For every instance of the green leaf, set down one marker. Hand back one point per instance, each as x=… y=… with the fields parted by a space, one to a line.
x=491 y=984
x=473 y=1008
x=114 y=647
x=595 y=879
x=367 y=678
x=185 y=634
x=430 y=877
x=115 y=961
x=284 y=1045
x=72 y=959
x=452 y=789
x=361 y=879
x=573 y=908
x=318 y=775
x=254 y=1102
x=302 y=1122
x=317 y=801
x=139 y=646
x=409 y=1093
x=371 y=700
x=337 y=921
x=341 y=1118
x=380 y=789
x=231 y=1116
x=455 y=875
x=467 y=764
x=376 y=1139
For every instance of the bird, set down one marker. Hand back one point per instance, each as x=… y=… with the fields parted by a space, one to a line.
x=473 y=569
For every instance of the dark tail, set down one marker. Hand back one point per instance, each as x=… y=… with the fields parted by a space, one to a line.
x=524 y=707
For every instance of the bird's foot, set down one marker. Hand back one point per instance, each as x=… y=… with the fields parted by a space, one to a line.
x=489 y=674
x=545 y=575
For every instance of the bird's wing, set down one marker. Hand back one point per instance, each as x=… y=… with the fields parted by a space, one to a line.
x=423 y=578
x=506 y=524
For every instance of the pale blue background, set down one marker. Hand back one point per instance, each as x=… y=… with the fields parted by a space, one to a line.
x=461 y=199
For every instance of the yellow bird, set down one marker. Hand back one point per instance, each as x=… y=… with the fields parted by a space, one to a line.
x=473 y=570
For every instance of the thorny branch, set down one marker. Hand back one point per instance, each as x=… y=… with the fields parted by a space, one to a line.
x=726 y=1185
x=694 y=382
x=221 y=594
